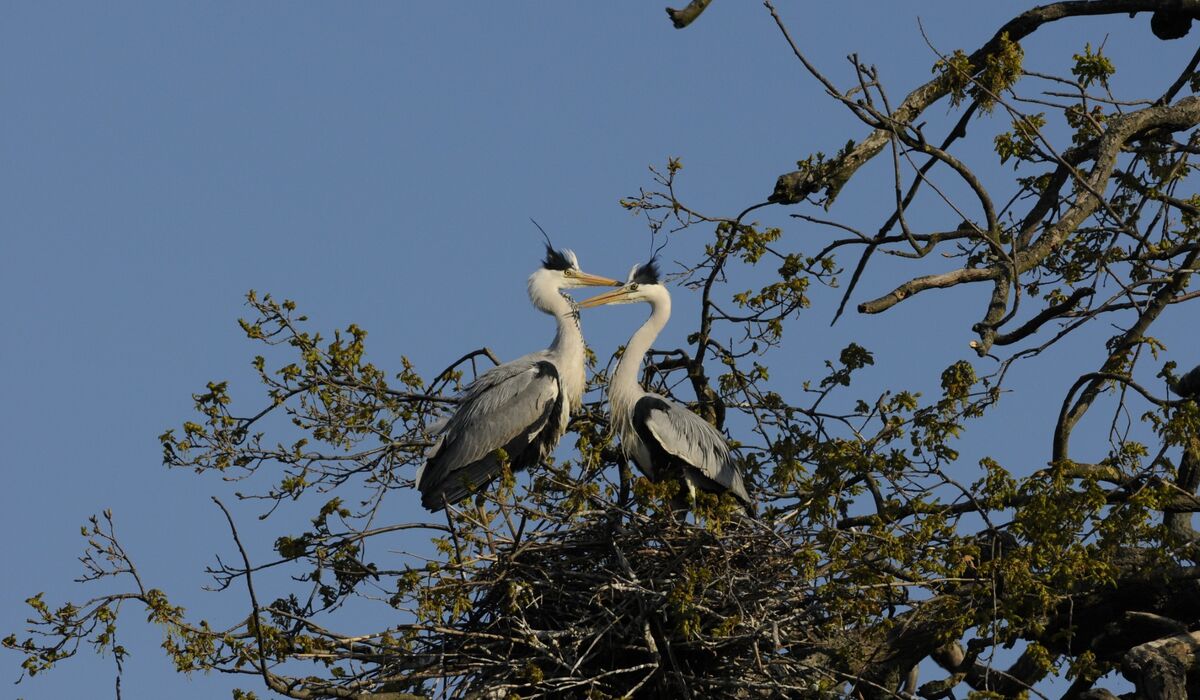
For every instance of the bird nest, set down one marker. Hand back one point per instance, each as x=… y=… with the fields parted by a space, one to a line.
x=621 y=603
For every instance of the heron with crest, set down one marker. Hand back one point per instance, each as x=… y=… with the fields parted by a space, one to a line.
x=664 y=439
x=515 y=412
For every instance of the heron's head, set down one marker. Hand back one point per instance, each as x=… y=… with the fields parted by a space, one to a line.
x=560 y=269
x=643 y=285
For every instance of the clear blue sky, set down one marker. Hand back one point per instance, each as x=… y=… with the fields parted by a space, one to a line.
x=378 y=163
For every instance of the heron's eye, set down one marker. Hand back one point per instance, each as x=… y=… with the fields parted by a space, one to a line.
x=633 y=287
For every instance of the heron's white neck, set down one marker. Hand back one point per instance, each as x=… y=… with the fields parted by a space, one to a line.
x=623 y=388
x=567 y=347
x=548 y=298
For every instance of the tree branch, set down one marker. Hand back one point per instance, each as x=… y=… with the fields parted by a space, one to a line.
x=684 y=17
x=1159 y=669
x=794 y=187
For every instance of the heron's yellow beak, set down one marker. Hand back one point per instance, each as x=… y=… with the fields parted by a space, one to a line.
x=605 y=298
x=589 y=280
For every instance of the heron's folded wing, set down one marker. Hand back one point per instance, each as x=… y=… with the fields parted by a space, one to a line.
x=513 y=403
x=689 y=438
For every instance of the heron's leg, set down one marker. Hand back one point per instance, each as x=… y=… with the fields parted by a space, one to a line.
x=684 y=499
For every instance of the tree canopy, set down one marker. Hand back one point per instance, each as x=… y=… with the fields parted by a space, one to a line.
x=879 y=563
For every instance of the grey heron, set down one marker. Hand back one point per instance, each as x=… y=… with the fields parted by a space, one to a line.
x=663 y=438
x=520 y=408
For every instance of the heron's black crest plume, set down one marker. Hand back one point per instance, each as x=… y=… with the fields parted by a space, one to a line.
x=544 y=234
x=555 y=259
x=646 y=274
x=656 y=249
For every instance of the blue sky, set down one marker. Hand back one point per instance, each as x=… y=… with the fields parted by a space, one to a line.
x=378 y=163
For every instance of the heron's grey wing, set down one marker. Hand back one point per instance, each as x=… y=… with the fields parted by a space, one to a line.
x=508 y=408
x=489 y=379
x=678 y=432
x=436 y=431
